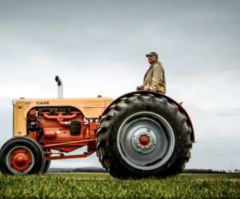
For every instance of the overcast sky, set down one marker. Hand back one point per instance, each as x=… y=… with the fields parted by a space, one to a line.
x=99 y=47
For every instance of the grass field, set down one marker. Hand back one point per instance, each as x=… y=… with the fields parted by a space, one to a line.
x=101 y=185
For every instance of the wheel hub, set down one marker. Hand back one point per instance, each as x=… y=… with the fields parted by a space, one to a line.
x=144 y=140
x=20 y=160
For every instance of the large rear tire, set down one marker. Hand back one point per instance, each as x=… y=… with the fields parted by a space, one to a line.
x=143 y=135
x=22 y=156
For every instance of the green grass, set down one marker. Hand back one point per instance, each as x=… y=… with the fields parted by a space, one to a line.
x=100 y=185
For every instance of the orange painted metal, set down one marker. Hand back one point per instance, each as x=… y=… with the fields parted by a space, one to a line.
x=20 y=160
x=62 y=133
x=62 y=156
x=144 y=140
x=73 y=143
x=68 y=123
x=66 y=156
x=47 y=152
x=92 y=146
x=57 y=134
x=91 y=108
x=59 y=117
x=50 y=134
x=34 y=135
x=32 y=112
x=93 y=128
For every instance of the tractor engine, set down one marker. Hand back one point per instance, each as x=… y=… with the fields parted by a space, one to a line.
x=54 y=126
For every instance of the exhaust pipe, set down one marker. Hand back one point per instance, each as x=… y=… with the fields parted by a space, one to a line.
x=60 y=87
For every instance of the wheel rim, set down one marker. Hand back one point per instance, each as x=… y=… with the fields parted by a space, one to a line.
x=20 y=160
x=145 y=140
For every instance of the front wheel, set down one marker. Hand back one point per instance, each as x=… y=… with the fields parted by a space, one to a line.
x=143 y=135
x=22 y=155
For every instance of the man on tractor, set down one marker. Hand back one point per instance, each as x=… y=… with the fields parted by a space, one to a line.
x=154 y=79
x=141 y=134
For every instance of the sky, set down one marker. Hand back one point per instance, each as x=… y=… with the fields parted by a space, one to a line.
x=99 y=47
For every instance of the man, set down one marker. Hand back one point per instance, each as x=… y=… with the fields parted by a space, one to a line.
x=154 y=79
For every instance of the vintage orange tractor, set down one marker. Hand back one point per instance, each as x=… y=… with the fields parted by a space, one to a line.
x=138 y=135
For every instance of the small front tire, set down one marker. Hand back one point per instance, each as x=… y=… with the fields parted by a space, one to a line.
x=22 y=156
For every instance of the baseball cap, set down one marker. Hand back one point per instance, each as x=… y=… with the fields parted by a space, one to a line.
x=151 y=53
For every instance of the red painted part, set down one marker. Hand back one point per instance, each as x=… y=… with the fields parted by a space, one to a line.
x=34 y=135
x=62 y=156
x=144 y=140
x=68 y=123
x=68 y=146
x=32 y=112
x=50 y=134
x=67 y=149
x=60 y=116
x=58 y=137
x=66 y=156
x=73 y=143
x=20 y=160
x=160 y=94
x=47 y=152
x=92 y=147
x=55 y=133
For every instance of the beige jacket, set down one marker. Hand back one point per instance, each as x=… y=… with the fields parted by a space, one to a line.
x=154 y=79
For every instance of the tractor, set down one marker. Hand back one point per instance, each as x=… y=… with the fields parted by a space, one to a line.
x=140 y=134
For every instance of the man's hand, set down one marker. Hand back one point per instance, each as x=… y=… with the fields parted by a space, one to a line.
x=139 y=88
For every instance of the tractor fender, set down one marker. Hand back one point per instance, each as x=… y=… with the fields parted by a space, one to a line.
x=162 y=95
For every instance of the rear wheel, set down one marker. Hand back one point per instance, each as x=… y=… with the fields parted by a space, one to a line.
x=143 y=135
x=22 y=155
